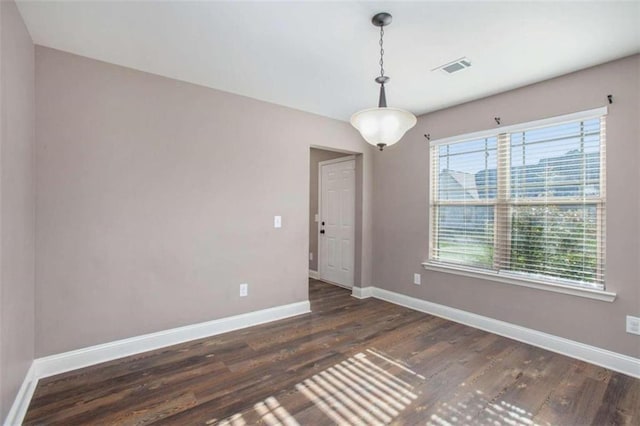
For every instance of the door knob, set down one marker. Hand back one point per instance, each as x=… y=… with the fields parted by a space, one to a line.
x=322 y=231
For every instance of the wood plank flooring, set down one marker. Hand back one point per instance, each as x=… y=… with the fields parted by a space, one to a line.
x=360 y=362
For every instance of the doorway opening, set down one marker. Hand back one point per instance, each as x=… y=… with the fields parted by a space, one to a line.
x=335 y=188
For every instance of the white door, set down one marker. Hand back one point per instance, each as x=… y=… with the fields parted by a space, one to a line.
x=337 y=216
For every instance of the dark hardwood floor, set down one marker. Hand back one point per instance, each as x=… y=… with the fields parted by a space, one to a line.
x=349 y=362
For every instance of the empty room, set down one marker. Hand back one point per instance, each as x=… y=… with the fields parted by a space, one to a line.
x=319 y=213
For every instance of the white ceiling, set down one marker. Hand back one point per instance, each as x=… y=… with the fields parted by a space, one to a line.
x=322 y=57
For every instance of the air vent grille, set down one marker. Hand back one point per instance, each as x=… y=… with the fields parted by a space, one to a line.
x=455 y=66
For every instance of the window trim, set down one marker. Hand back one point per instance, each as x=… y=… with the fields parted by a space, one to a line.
x=549 y=283
x=513 y=279
x=520 y=127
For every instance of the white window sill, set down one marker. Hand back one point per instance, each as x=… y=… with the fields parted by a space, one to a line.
x=605 y=296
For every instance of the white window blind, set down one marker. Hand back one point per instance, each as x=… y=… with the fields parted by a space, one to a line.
x=526 y=201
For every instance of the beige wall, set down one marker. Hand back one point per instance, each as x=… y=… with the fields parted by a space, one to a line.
x=17 y=201
x=400 y=210
x=156 y=200
x=316 y=156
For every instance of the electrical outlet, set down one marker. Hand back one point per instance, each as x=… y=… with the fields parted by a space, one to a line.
x=310 y=255
x=416 y=279
x=244 y=290
x=633 y=325
x=277 y=221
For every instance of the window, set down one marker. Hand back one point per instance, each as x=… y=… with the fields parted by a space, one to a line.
x=525 y=201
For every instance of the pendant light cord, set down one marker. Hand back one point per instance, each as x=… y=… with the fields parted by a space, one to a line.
x=381 y=52
x=382 y=99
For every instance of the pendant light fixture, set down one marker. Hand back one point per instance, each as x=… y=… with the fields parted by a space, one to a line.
x=382 y=126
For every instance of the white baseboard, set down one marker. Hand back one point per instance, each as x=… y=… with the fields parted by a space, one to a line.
x=67 y=361
x=23 y=398
x=72 y=360
x=592 y=354
x=314 y=274
x=362 y=292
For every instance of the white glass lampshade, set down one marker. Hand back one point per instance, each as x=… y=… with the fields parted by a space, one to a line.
x=383 y=126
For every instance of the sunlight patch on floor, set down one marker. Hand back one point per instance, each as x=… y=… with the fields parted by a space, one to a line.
x=274 y=414
x=235 y=420
x=476 y=409
x=357 y=391
x=361 y=390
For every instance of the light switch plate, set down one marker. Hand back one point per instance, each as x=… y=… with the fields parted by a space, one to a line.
x=277 y=221
x=316 y=218
x=416 y=279
x=244 y=290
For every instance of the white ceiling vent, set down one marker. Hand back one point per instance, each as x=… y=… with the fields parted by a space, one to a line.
x=455 y=66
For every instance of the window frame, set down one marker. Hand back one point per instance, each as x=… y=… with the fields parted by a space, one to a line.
x=502 y=221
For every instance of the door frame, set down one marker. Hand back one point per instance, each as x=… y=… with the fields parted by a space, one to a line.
x=353 y=245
